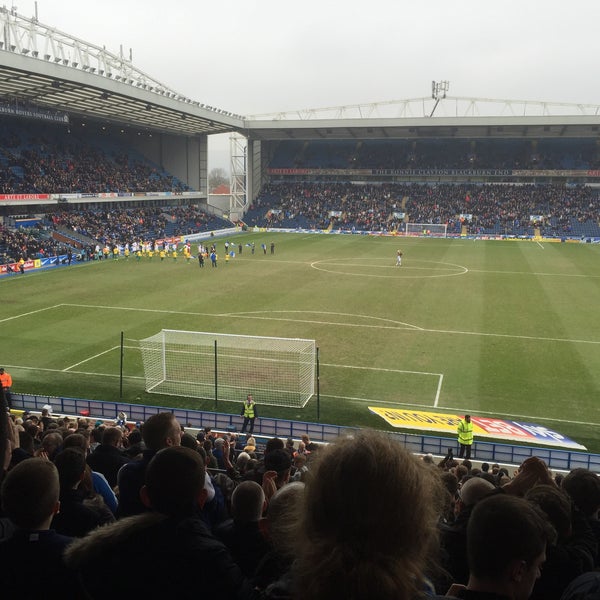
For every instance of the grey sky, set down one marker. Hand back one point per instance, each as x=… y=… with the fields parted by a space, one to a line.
x=265 y=56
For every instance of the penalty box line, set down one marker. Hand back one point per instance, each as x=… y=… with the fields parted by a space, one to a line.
x=440 y=376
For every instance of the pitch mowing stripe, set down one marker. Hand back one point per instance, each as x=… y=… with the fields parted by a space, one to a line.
x=406 y=326
x=400 y=325
x=453 y=410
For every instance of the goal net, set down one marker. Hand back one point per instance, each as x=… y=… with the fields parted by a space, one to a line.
x=425 y=229
x=277 y=371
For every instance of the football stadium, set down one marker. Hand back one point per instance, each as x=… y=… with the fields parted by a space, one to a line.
x=360 y=273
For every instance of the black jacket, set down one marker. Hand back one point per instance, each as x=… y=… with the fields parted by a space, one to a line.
x=154 y=556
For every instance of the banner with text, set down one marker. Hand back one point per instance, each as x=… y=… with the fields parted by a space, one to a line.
x=515 y=431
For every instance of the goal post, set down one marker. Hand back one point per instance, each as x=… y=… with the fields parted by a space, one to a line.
x=196 y=364
x=426 y=229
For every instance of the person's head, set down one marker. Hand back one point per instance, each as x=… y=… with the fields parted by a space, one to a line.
x=112 y=436
x=251 y=442
x=473 y=490
x=161 y=431
x=242 y=462
x=555 y=504
x=71 y=464
x=249 y=399
x=369 y=523
x=135 y=437
x=468 y=418
x=300 y=461
x=583 y=486
x=506 y=546
x=174 y=483
x=279 y=461
x=274 y=444
x=51 y=442
x=247 y=502
x=26 y=442
x=283 y=514
x=189 y=441
x=30 y=493
x=76 y=440
x=533 y=471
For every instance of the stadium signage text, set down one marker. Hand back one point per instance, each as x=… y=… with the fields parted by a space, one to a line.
x=440 y=172
x=515 y=431
x=33 y=113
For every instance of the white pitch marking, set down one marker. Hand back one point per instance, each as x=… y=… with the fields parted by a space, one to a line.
x=33 y=312
x=406 y=326
x=91 y=358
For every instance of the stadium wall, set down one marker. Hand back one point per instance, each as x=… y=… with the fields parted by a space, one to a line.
x=491 y=452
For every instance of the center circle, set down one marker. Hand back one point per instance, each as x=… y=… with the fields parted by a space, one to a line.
x=413 y=269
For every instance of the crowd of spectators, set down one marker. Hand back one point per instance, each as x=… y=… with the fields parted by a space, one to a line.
x=47 y=159
x=26 y=243
x=84 y=229
x=119 y=509
x=489 y=208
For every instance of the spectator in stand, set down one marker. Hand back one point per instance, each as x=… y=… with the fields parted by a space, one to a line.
x=242 y=533
x=368 y=523
x=280 y=527
x=250 y=446
x=308 y=445
x=575 y=549
x=30 y=498
x=300 y=468
x=164 y=546
x=454 y=535
x=50 y=445
x=257 y=473
x=76 y=518
x=108 y=458
x=278 y=466
x=506 y=545
x=98 y=491
x=533 y=471
x=583 y=487
x=159 y=431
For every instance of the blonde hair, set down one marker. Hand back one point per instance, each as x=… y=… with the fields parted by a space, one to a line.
x=369 y=522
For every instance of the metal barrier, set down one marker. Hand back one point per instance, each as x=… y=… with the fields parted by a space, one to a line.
x=490 y=452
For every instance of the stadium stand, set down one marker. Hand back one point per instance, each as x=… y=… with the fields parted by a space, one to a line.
x=452 y=489
x=494 y=209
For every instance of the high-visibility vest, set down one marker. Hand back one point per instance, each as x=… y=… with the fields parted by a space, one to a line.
x=6 y=381
x=465 y=433
x=249 y=410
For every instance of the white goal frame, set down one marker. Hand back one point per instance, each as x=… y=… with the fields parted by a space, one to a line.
x=426 y=229
x=220 y=366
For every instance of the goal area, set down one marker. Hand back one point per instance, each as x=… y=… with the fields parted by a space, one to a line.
x=425 y=229
x=196 y=364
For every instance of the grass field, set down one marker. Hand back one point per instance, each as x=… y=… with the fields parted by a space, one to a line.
x=502 y=329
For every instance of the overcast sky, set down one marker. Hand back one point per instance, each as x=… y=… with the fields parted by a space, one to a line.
x=250 y=56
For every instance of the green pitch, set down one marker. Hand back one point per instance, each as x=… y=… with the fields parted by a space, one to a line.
x=500 y=329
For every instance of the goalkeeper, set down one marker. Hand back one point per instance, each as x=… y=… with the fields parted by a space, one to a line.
x=249 y=413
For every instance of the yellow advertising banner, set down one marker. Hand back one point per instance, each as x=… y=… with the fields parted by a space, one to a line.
x=483 y=427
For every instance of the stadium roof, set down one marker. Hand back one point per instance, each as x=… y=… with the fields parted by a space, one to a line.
x=54 y=86
x=43 y=67
x=426 y=127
